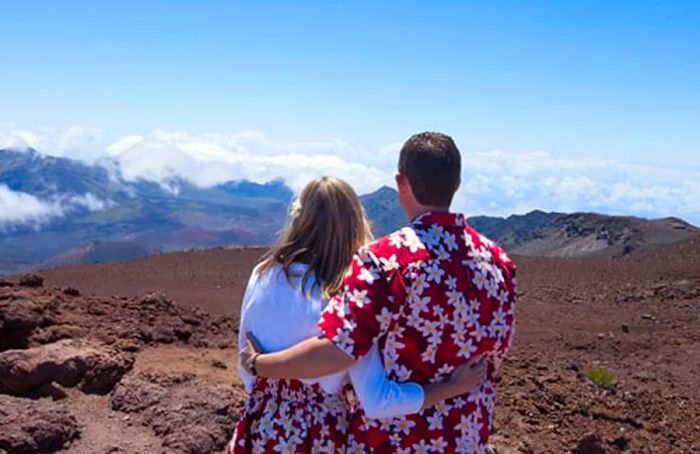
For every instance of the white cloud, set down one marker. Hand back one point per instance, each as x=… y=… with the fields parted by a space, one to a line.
x=21 y=208
x=77 y=142
x=504 y=183
x=494 y=182
x=210 y=159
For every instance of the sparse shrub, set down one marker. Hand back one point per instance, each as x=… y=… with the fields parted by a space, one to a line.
x=601 y=377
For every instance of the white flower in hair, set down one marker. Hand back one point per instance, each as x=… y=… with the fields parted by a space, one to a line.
x=295 y=208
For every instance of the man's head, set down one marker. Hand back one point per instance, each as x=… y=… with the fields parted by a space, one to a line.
x=429 y=172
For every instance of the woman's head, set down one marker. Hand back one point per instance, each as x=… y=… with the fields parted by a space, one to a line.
x=324 y=232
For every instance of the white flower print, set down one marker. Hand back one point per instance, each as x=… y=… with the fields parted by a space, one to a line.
x=258 y=447
x=479 y=332
x=480 y=279
x=419 y=304
x=404 y=425
x=445 y=369
x=395 y=239
x=429 y=353
x=454 y=297
x=466 y=348
x=436 y=229
x=419 y=284
x=344 y=341
x=438 y=444
x=463 y=425
x=435 y=273
x=392 y=345
x=450 y=241
x=412 y=242
x=492 y=289
x=354 y=447
x=368 y=275
x=428 y=238
x=359 y=298
x=442 y=407
x=389 y=264
x=384 y=319
x=422 y=447
x=451 y=282
x=503 y=297
x=435 y=421
x=485 y=241
x=402 y=373
x=285 y=446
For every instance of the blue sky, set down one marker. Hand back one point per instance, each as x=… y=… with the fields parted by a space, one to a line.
x=613 y=87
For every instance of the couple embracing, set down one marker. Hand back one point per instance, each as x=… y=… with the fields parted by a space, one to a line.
x=417 y=322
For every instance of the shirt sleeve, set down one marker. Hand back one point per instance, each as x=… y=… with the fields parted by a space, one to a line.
x=360 y=314
x=380 y=397
x=503 y=330
x=243 y=327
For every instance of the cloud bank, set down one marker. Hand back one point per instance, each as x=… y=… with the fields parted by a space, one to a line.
x=494 y=182
x=20 y=208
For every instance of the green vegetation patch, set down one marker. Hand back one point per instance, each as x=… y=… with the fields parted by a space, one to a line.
x=602 y=377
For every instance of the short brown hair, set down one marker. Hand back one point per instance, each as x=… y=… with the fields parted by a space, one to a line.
x=432 y=164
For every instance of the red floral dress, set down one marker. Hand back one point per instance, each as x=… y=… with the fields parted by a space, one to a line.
x=432 y=295
x=288 y=416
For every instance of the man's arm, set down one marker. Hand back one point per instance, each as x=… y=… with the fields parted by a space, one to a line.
x=318 y=356
x=312 y=358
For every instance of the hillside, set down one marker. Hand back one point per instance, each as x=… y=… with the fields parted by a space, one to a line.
x=106 y=218
x=172 y=362
x=594 y=235
x=576 y=235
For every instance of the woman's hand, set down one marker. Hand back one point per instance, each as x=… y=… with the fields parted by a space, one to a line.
x=250 y=353
x=468 y=377
x=463 y=380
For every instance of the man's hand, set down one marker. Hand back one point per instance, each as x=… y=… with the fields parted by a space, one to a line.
x=250 y=353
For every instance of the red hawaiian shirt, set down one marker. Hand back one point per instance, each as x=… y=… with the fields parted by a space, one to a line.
x=432 y=295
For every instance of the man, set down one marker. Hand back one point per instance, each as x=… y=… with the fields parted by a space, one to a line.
x=433 y=296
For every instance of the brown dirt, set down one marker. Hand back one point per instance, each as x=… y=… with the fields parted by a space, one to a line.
x=213 y=280
x=638 y=317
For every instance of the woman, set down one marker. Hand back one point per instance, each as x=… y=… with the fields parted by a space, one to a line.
x=283 y=302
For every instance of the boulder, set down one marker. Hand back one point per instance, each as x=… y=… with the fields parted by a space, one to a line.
x=34 y=426
x=31 y=280
x=93 y=367
x=189 y=414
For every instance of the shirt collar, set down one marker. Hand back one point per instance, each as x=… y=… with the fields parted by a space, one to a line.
x=444 y=218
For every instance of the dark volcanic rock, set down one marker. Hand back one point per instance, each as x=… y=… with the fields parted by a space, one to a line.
x=188 y=413
x=35 y=316
x=34 y=426
x=93 y=367
x=5 y=283
x=31 y=280
x=590 y=444
x=20 y=315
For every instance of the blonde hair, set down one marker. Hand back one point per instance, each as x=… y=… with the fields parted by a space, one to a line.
x=324 y=232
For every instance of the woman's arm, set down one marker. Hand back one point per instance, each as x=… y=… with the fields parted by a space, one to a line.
x=379 y=396
x=464 y=379
x=384 y=398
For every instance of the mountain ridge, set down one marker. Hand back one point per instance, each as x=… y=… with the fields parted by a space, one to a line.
x=128 y=219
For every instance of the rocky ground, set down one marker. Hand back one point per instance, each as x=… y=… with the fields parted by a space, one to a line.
x=606 y=358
